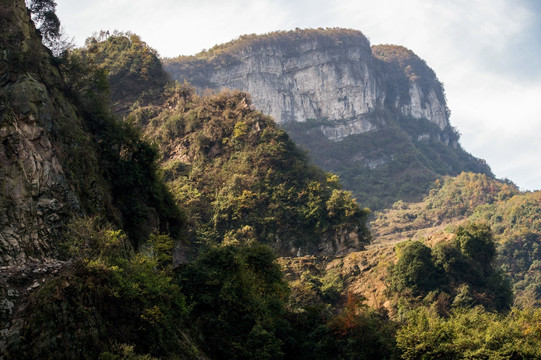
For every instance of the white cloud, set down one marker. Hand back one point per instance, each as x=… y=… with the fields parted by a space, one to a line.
x=500 y=122
x=172 y=27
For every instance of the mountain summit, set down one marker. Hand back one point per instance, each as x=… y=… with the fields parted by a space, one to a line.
x=364 y=112
x=328 y=75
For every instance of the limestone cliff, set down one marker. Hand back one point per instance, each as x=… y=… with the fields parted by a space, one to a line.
x=412 y=87
x=321 y=75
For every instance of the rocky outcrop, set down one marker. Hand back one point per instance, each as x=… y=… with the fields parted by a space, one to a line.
x=36 y=198
x=426 y=105
x=338 y=131
x=417 y=92
x=313 y=84
x=17 y=283
x=320 y=75
x=338 y=242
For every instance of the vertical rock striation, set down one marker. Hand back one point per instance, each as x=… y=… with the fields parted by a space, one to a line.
x=319 y=75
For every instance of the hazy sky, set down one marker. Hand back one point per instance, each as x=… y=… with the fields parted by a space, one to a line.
x=486 y=52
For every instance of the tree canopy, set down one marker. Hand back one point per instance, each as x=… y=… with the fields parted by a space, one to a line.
x=44 y=15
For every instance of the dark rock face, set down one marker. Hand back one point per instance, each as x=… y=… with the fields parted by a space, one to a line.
x=36 y=198
x=38 y=127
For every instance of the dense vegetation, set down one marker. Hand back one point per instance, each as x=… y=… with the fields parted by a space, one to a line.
x=132 y=67
x=234 y=303
x=110 y=299
x=471 y=334
x=513 y=216
x=457 y=288
x=112 y=302
x=126 y=161
x=237 y=176
x=242 y=181
x=456 y=273
x=240 y=178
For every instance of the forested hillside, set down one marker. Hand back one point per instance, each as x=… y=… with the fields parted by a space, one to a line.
x=239 y=181
x=236 y=175
x=132 y=66
x=513 y=216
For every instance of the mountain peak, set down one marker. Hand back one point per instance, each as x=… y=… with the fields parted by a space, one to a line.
x=319 y=74
x=330 y=37
x=361 y=111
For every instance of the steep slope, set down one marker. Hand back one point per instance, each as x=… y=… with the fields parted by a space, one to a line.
x=64 y=157
x=314 y=74
x=412 y=86
x=376 y=116
x=241 y=179
x=63 y=153
x=39 y=187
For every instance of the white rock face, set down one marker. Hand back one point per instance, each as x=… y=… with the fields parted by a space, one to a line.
x=426 y=106
x=340 y=131
x=303 y=80
x=312 y=85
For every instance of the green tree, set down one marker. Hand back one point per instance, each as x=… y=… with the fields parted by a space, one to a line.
x=471 y=334
x=237 y=296
x=106 y=296
x=361 y=333
x=475 y=241
x=415 y=269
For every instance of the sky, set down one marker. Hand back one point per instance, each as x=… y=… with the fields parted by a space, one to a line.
x=487 y=53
